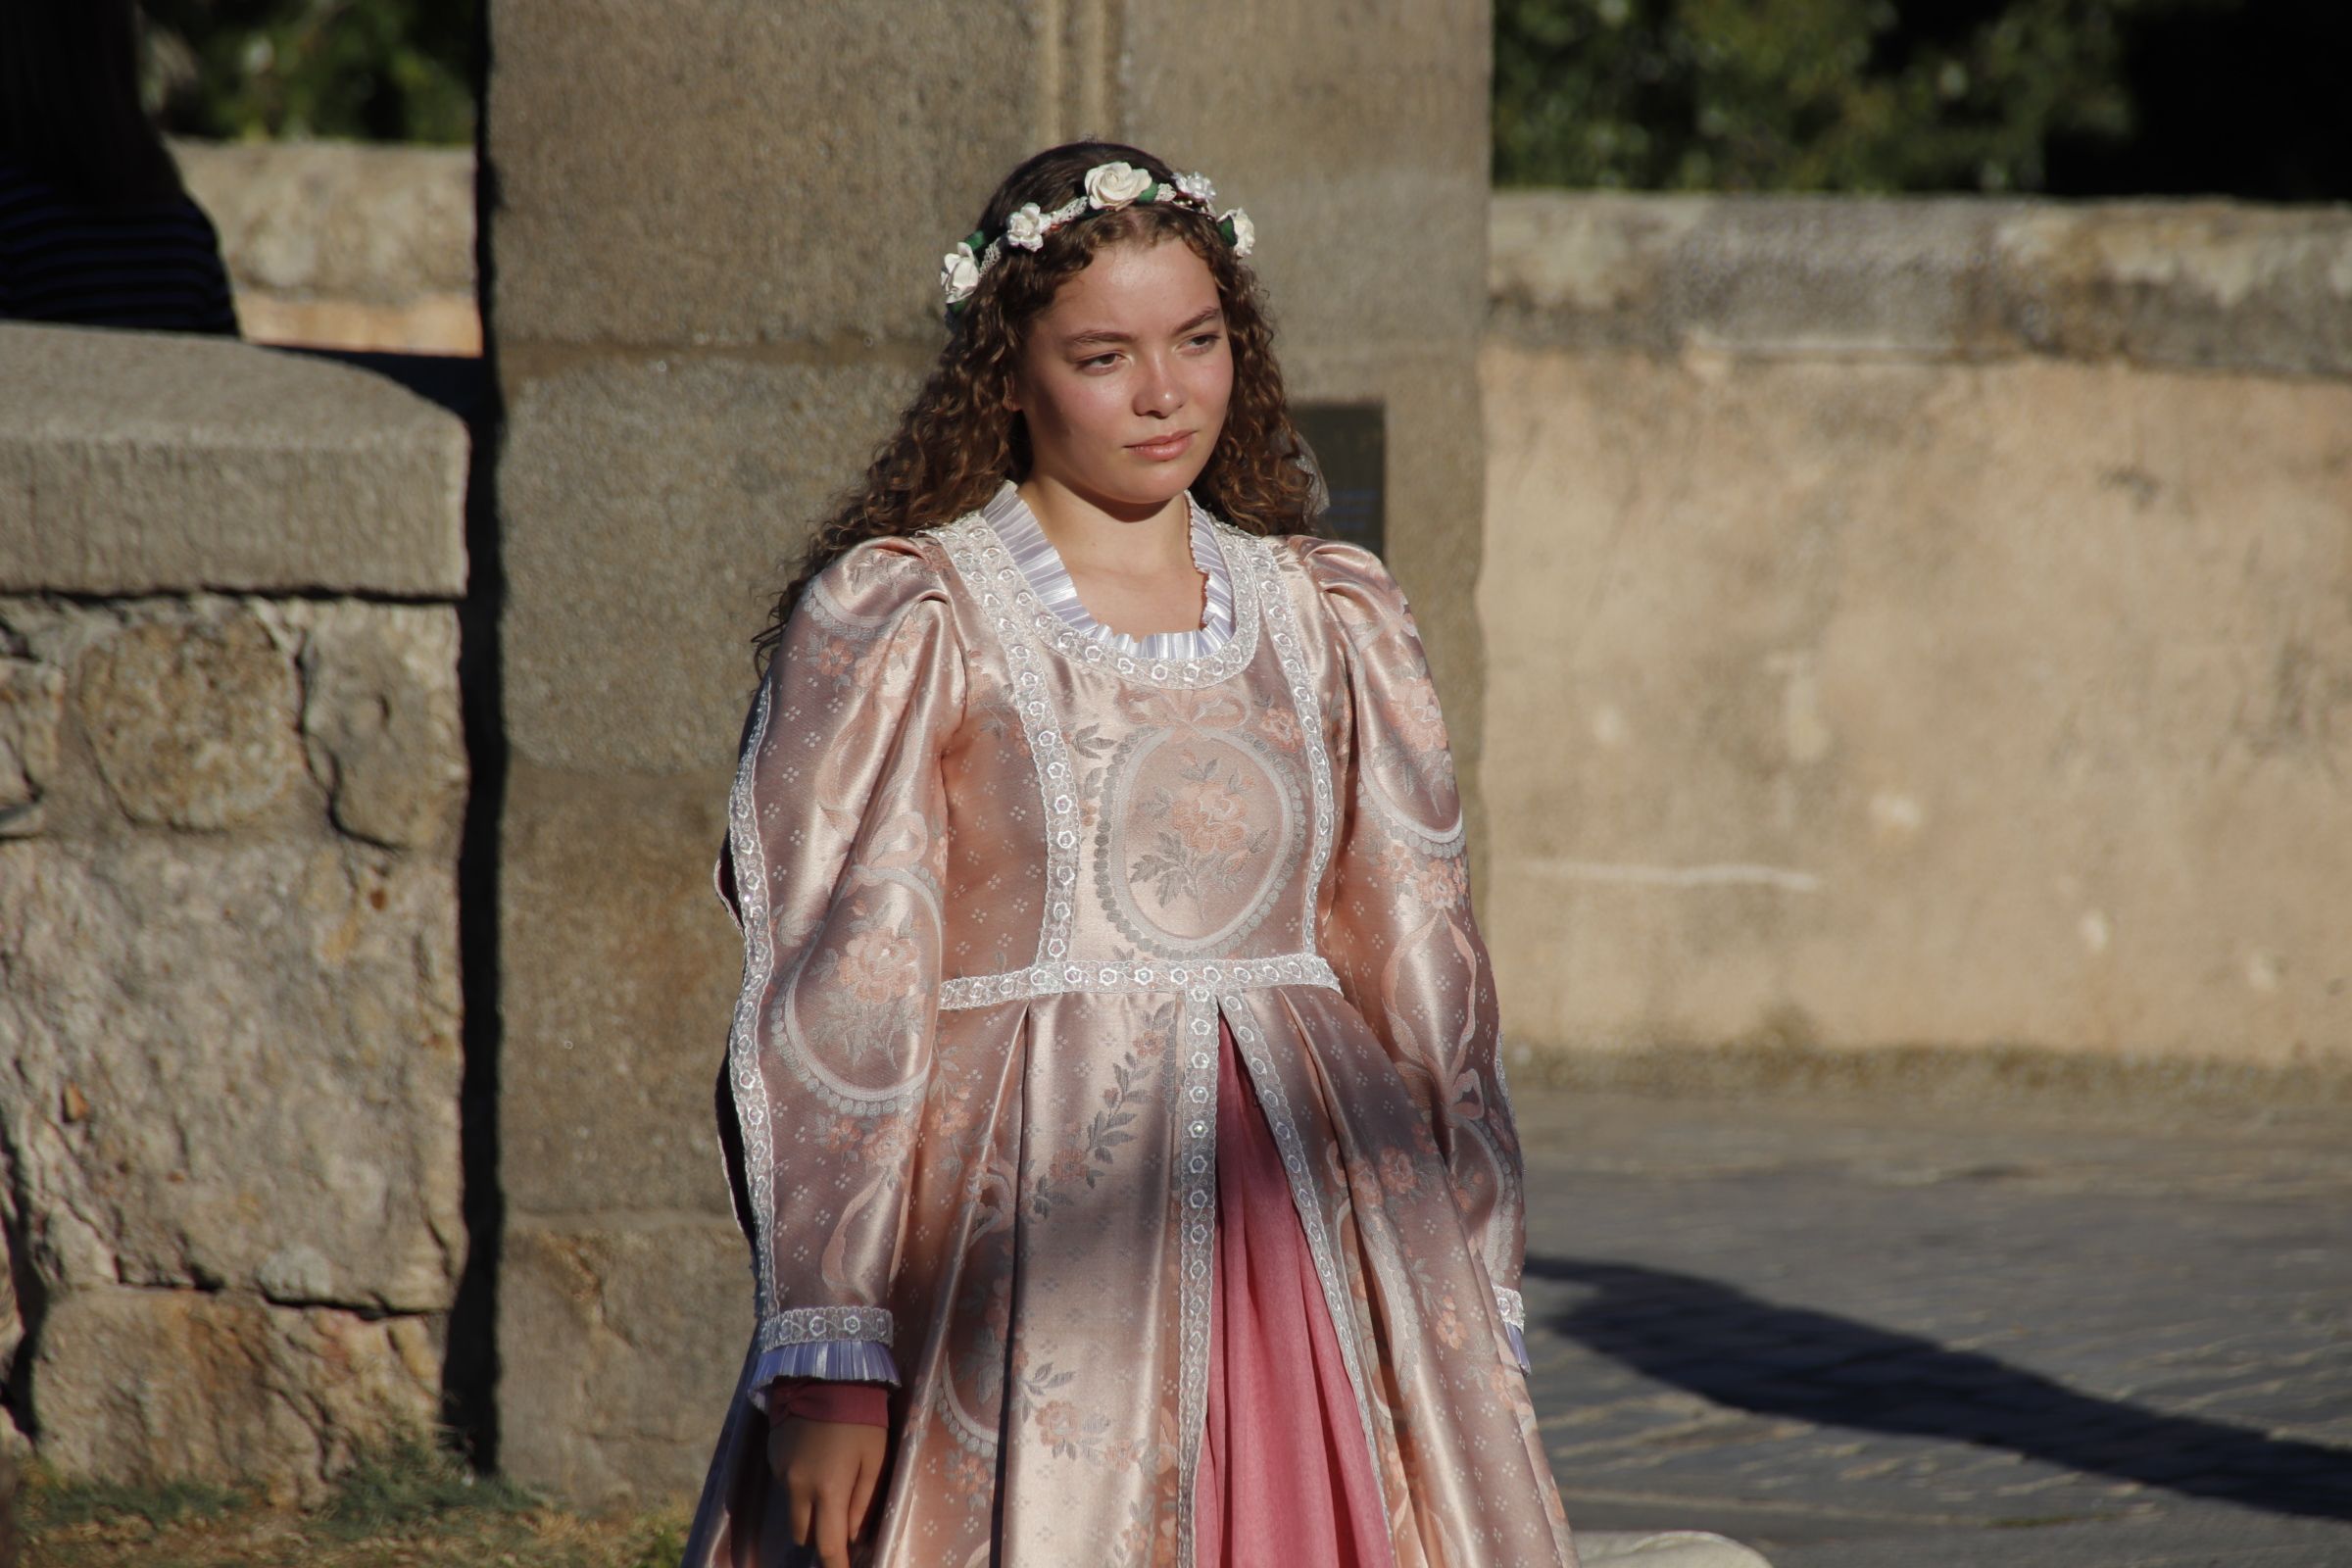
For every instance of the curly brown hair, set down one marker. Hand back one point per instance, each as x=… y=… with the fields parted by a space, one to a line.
x=957 y=442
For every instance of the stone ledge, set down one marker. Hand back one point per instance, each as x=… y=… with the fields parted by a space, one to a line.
x=1991 y=1077
x=2197 y=282
x=344 y=244
x=343 y=220
x=147 y=461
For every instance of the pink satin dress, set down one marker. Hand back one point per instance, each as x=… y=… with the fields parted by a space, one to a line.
x=1116 y=1074
x=1285 y=1481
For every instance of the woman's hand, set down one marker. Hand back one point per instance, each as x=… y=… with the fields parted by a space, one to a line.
x=829 y=1469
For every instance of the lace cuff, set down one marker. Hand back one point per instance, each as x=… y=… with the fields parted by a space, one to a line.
x=841 y=1360
x=1514 y=1322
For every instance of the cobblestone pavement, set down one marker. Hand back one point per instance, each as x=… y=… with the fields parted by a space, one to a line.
x=1862 y=1333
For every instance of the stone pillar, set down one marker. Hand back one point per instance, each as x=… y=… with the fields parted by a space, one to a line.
x=1357 y=138
x=714 y=233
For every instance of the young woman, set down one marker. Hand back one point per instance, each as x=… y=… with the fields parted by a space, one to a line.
x=1113 y=1104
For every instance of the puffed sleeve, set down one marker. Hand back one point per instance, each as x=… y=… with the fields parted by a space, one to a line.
x=832 y=868
x=1399 y=931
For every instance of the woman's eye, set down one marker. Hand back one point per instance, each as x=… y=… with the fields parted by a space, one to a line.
x=1207 y=337
x=1097 y=360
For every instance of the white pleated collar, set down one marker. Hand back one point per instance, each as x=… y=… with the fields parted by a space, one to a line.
x=1040 y=564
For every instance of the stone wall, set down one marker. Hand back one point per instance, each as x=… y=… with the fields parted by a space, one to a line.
x=231 y=780
x=1920 y=623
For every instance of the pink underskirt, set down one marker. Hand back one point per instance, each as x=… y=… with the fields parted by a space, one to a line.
x=1284 y=1478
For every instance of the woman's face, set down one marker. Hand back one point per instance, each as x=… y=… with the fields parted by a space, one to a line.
x=1125 y=377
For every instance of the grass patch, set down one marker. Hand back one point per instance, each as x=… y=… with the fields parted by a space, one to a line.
x=658 y=1541
x=409 y=1485
x=410 y=1503
x=52 y=1503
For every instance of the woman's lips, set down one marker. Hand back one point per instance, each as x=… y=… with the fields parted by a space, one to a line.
x=1171 y=445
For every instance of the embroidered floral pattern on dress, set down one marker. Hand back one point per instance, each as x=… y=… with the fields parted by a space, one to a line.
x=1409 y=743
x=1206 y=825
x=871 y=990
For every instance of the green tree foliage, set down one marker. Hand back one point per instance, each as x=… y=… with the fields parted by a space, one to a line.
x=368 y=70
x=1819 y=95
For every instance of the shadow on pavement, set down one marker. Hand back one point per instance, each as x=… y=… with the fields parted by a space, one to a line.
x=1746 y=1352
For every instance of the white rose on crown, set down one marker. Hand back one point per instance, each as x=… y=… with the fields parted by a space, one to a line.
x=959 y=273
x=1197 y=186
x=1026 y=228
x=1115 y=185
x=1245 y=232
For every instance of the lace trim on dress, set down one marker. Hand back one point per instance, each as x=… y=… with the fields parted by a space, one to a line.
x=1138 y=976
x=808 y=1325
x=1514 y=1309
x=1290 y=652
x=749 y=1089
x=1049 y=580
x=1196 y=1179
x=1021 y=619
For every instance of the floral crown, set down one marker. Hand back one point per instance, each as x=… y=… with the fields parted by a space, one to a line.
x=1108 y=186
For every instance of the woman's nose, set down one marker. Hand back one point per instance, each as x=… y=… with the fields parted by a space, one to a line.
x=1160 y=393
